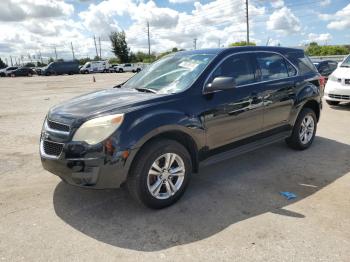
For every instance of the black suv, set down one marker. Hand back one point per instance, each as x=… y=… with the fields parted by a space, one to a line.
x=187 y=109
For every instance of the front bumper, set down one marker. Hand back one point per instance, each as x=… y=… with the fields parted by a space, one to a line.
x=337 y=91
x=93 y=168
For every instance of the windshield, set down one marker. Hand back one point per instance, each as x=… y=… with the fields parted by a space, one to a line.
x=346 y=62
x=171 y=74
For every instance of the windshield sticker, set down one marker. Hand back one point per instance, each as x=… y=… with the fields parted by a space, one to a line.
x=189 y=64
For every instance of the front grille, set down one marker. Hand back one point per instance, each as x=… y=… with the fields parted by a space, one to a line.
x=339 y=97
x=52 y=148
x=58 y=126
x=347 y=81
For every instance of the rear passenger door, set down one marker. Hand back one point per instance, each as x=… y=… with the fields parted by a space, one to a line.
x=277 y=79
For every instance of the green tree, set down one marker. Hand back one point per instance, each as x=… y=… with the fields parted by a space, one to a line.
x=50 y=60
x=29 y=64
x=119 y=46
x=83 y=61
x=313 y=49
x=114 y=60
x=173 y=50
x=2 y=64
x=242 y=43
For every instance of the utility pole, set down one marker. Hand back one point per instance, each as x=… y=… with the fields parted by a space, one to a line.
x=99 y=41
x=41 y=58
x=195 y=43
x=55 y=53
x=149 y=42
x=247 y=17
x=71 y=44
x=95 y=46
x=11 y=61
x=219 y=43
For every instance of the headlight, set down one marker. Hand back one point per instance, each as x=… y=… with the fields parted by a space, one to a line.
x=333 y=78
x=98 y=129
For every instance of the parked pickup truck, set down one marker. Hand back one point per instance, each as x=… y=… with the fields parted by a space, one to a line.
x=129 y=68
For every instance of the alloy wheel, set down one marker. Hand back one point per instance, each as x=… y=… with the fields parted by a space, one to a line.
x=307 y=128
x=166 y=176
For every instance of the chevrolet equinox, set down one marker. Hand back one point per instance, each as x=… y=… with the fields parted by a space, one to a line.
x=186 y=110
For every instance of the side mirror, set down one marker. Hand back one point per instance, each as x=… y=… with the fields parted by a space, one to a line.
x=220 y=83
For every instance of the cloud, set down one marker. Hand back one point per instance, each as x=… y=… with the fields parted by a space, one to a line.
x=325 y=2
x=19 y=10
x=340 y=20
x=277 y=3
x=284 y=21
x=180 y=1
x=319 y=37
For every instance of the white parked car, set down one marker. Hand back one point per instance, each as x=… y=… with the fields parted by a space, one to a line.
x=129 y=68
x=338 y=85
x=95 y=67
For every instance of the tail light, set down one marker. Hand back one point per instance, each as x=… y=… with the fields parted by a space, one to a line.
x=322 y=83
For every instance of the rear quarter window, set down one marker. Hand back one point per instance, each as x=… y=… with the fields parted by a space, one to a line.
x=303 y=62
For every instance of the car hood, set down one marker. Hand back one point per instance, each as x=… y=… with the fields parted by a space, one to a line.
x=91 y=105
x=342 y=72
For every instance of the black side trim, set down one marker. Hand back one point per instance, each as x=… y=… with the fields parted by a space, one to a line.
x=246 y=145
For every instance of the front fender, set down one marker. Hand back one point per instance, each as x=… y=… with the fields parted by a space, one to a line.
x=142 y=126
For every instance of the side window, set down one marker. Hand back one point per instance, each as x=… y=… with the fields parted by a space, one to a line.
x=291 y=69
x=272 y=66
x=237 y=66
x=333 y=65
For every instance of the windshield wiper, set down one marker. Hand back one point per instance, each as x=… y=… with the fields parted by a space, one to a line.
x=146 y=90
x=345 y=66
x=119 y=86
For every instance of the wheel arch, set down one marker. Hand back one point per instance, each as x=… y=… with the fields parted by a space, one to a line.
x=177 y=135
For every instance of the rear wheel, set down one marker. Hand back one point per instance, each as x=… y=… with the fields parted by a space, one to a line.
x=121 y=70
x=304 y=130
x=332 y=103
x=160 y=173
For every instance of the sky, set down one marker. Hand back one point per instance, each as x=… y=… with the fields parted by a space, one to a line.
x=30 y=27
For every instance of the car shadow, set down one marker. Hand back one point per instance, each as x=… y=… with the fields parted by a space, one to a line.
x=341 y=107
x=218 y=197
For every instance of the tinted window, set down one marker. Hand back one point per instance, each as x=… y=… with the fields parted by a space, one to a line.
x=303 y=62
x=333 y=65
x=237 y=66
x=291 y=69
x=272 y=66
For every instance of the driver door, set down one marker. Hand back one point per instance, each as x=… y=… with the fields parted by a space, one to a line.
x=235 y=113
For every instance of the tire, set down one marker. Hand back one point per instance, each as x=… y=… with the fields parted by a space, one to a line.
x=295 y=141
x=332 y=103
x=47 y=73
x=29 y=74
x=140 y=182
x=121 y=70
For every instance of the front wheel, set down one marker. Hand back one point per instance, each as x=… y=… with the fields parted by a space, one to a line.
x=304 y=130
x=332 y=103
x=160 y=173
